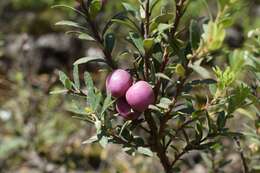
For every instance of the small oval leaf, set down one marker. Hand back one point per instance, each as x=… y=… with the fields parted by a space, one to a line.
x=88 y=59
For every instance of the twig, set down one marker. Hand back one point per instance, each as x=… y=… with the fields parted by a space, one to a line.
x=179 y=13
x=214 y=169
x=162 y=68
x=155 y=143
x=146 y=35
x=177 y=157
x=147 y=19
x=168 y=115
x=119 y=139
x=246 y=170
x=145 y=129
x=152 y=126
x=181 y=129
x=185 y=124
x=178 y=91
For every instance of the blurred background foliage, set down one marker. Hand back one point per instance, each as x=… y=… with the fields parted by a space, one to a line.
x=37 y=131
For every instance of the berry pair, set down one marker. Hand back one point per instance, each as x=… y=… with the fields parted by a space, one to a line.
x=132 y=98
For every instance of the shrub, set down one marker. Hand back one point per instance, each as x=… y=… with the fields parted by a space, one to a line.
x=190 y=99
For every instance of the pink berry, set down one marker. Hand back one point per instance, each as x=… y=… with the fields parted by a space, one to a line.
x=125 y=110
x=118 y=82
x=140 y=96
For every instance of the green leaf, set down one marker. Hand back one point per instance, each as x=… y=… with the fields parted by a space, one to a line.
x=97 y=101
x=70 y=23
x=65 y=80
x=154 y=66
x=212 y=89
x=221 y=121
x=162 y=27
x=164 y=103
x=84 y=36
x=138 y=140
x=124 y=127
x=125 y=133
x=249 y=113
x=227 y=22
x=224 y=78
x=210 y=123
x=107 y=103
x=88 y=59
x=71 y=8
x=78 y=109
x=162 y=19
x=127 y=23
x=238 y=98
x=81 y=35
x=145 y=151
x=137 y=41
x=130 y=8
x=180 y=70
x=165 y=100
x=194 y=34
x=199 y=131
x=153 y=4
x=154 y=108
x=206 y=145
x=109 y=42
x=58 y=92
x=62 y=77
x=95 y=7
x=68 y=84
x=76 y=77
x=203 y=72
x=163 y=76
x=120 y=16
x=91 y=140
x=142 y=13
x=103 y=141
x=90 y=90
x=222 y=3
x=148 y=44
x=213 y=35
x=98 y=126
x=176 y=46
